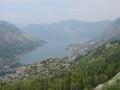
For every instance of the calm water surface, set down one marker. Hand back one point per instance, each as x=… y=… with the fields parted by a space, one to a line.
x=50 y=49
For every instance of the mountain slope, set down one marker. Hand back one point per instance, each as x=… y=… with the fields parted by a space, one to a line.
x=98 y=66
x=13 y=41
x=112 y=31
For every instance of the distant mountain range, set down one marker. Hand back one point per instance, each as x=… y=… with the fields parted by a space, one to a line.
x=70 y=31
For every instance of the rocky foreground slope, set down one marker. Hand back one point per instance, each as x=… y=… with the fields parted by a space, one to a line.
x=113 y=84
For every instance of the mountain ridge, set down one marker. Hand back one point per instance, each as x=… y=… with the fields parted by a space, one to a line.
x=70 y=30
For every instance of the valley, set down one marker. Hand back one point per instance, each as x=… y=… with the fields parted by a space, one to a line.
x=59 y=45
x=58 y=65
x=60 y=36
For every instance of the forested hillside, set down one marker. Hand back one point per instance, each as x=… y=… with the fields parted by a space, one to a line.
x=85 y=73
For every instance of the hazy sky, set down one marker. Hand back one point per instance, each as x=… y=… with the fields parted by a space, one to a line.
x=44 y=11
